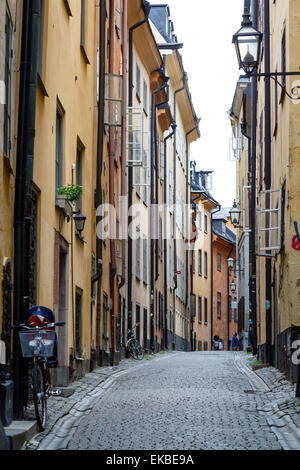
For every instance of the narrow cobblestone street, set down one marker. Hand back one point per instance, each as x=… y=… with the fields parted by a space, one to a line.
x=177 y=401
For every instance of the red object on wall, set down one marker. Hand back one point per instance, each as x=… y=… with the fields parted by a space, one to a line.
x=295 y=243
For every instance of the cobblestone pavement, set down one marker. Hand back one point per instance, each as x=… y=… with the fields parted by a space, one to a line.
x=176 y=401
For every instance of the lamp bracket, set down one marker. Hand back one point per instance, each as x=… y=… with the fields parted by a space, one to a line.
x=273 y=75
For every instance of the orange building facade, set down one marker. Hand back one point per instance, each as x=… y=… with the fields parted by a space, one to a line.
x=224 y=311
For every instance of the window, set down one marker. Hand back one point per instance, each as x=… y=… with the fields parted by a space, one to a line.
x=205 y=223
x=41 y=38
x=82 y=31
x=138 y=254
x=145 y=260
x=219 y=305
x=205 y=311
x=193 y=261
x=236 y=312
x=145 y=96
x=199 y=220
x=199 y=309
x=138 y=82
x=200 y=262
x=283 y=64
x=219 y=258
x=59 y=149
x=145 y=328
x=205 y=264
x=79 y=175
x=7 y=81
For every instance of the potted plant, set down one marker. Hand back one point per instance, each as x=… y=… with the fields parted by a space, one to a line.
x=67 y=196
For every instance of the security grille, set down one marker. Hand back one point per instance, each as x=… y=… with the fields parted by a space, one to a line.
x=236 y=144
x=135 y=137
x=141 y=172
x=113 y=100
x=269 y=220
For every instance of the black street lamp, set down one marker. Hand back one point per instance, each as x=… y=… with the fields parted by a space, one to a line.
x=247 y=42
x=233 y=286
x=235 y=214
x=79 y=220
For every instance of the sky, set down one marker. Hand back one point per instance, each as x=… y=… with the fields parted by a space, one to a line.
x=206 y=29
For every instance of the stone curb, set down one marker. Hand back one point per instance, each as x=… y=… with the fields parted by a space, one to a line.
x=286 y=431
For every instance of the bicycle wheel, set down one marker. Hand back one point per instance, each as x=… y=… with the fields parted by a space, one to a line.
x=140 y=352
x=132 y=349
x=39 y=396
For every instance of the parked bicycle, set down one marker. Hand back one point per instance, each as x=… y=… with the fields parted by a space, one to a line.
x=38 y=345
x=133 y=347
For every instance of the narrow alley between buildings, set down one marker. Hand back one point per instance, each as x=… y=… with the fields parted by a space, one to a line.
x=176 y=400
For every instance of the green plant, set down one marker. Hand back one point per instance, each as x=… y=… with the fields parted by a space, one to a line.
x=73 y=192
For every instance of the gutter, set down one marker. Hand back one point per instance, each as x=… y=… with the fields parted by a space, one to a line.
x=123 y=141
x=23 y=187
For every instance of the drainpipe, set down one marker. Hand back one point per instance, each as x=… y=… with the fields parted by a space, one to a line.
x=123 y=141
x=113 y=268
x=146 y=7
x=252 y=283
x=24 y=174
x=165 y=234
x=154 y=200
x=100 y=139
x=212 y=273
x=268 y=173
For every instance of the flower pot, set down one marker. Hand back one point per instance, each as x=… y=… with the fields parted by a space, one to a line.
x=64 y=205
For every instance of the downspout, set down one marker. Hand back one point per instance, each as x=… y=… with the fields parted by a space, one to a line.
x=123 y=142
x=165 y=235
x=154 y=169
x=147 y=8
x=24 y=175
x=113 y=268
x=100 y=139
x=252 y=283
x=212 y=274
x=268 y=173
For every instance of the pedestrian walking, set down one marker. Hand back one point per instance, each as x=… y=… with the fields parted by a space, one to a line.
x=234 y=342
x=220 y=345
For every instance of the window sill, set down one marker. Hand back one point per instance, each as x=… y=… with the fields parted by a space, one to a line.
x=86 y=59
x=68 y=8
x=41 y=86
